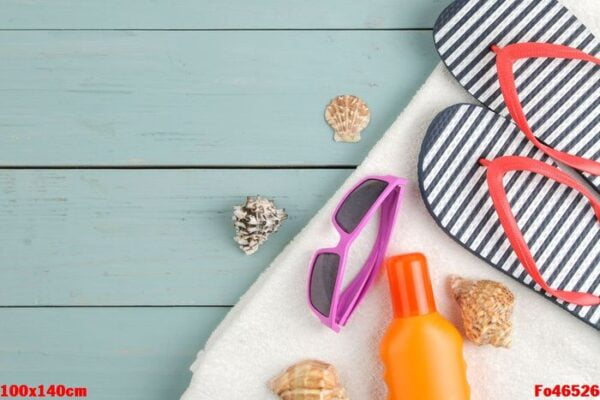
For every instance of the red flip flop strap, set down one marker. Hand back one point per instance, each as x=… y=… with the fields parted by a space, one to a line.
x=505 y=58
x=495 y=172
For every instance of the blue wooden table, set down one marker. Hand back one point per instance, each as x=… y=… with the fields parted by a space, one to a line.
x=128 y=130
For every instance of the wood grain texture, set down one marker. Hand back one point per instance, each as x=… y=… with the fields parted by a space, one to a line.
x=219 y=14
x=198 y=98
x=117 y=353
x=169 y=82
x=141 y=237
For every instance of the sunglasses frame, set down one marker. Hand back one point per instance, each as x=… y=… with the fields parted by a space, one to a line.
x=344 y=302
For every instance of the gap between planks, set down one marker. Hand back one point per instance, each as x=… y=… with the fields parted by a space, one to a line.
x=121 y=306
x=213 y=29
x=198 y=167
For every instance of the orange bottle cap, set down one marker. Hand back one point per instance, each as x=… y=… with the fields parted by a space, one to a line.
x=410 y=286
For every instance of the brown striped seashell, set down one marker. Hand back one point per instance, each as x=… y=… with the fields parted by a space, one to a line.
x=348 y=116
x=308 y=380
x=486 y=308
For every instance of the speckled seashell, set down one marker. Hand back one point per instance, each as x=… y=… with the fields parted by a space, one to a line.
x=486 y=308
x=348 y=116
x=255 y=221
x=309 y=380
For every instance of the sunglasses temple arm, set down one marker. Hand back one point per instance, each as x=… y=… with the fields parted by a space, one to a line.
x=361 y=283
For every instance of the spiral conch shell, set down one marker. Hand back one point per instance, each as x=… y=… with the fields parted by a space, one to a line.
x=309 y=380
x=348 y=116
x=486 y=308
x=255 y=221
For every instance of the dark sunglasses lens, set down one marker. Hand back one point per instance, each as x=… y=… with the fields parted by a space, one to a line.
x=358 y=203
x=322 y=281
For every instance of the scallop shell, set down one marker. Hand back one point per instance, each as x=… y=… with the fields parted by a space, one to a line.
x=486 y=308
x=348 y=116
x=309 y=380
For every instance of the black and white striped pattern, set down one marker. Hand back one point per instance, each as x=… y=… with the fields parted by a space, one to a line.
x=561 y=98
x=557 y=222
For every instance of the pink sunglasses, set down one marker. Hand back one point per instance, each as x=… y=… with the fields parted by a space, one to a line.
x=325 y=296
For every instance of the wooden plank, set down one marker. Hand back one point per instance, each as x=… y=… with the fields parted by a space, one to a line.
x=198 y=98
x=116 y=353
x=219 y=14
x=141 y=237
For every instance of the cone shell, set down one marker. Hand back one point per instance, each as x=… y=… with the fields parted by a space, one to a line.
x=348 y=116
x=309 y=380
x=486 y=308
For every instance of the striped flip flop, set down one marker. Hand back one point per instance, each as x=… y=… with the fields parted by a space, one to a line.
x=534 y=61
x=557 y=223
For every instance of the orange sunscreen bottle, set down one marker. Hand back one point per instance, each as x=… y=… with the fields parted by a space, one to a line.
x=421 y=351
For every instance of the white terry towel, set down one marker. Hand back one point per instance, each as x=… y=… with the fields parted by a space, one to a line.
x=271 y=327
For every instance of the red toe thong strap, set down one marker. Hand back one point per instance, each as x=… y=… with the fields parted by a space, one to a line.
x=495 y=172
x=505 y=58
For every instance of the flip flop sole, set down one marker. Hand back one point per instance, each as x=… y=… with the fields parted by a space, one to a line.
x=557 y=222
x=561 y=98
